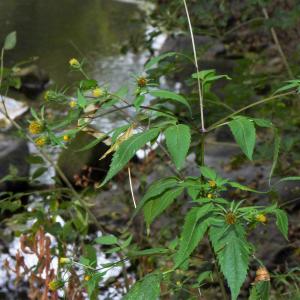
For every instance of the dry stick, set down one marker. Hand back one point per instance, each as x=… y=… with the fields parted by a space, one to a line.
x=131 y=188
x=278 y=46
x=196 y=65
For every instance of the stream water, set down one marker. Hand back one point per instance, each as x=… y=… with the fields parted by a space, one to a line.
x=55 y=31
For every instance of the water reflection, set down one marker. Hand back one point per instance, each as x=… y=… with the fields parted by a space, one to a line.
x=56 y=30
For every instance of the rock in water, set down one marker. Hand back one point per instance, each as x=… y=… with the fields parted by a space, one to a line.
x=13 y=154
x=13 y=108
x=33 y=80
x=84 y=168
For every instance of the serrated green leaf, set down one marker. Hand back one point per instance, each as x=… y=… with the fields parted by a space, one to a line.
x=34 y=114
x=260 y=291
x=10 y=205
x=163 y=94
x=178 y=139
x=38 y=172
x=290 y=85
x=122 y=92
x=243 y=131
x=127 y=150
x=208 y=173
x=290 y=178
x=282 y=222
x=92 y=144
x=263 y=123
x=92 y=285
x=138 y=101
x=204 y=74
x=34 y=159
x=155 y=189
x=10 y=41
x=106 y=240
x=148 y=288
x=88 y=84
x=153 y=61
x=233 y=252
x=154 y=207
x=195 y=225
x=146 y=252
x=118 y=131
x=244 y=188
x=203 y=276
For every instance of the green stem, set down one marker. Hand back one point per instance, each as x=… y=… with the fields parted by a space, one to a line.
x=203 y=132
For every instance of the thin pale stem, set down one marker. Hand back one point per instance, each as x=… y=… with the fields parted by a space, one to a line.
x=196 y=65
x=131 y=188
x=278 y=46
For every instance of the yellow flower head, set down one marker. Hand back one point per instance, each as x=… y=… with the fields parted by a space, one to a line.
x=210 y=196
x=74 y=63
x=66 y=138
x=230 y=218
x=142 y=81
x=261 y=218
x=35 y=127
x=212 y=183
x=87 y=277
x=73 y=103
x=41 y=141
x=97 y=92
x=64 y=260
x=54 y=285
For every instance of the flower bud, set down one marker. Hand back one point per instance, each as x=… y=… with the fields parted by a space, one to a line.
x=35 y=127
x=64 y=260
x=97 y=92
x=212 y=183
x=41 y=141
x=74 y=63
x=54 y=285
x=261 y=218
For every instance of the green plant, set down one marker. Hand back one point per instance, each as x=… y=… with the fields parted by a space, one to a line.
x=225 y=222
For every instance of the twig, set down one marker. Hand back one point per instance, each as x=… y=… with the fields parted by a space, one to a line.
x=271 y=98
x=131 y=187
x=278 y=45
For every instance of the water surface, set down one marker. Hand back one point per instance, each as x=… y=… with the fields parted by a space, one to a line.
x=56 y=30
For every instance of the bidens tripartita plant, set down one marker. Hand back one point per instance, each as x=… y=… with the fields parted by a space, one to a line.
x=226 y=223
